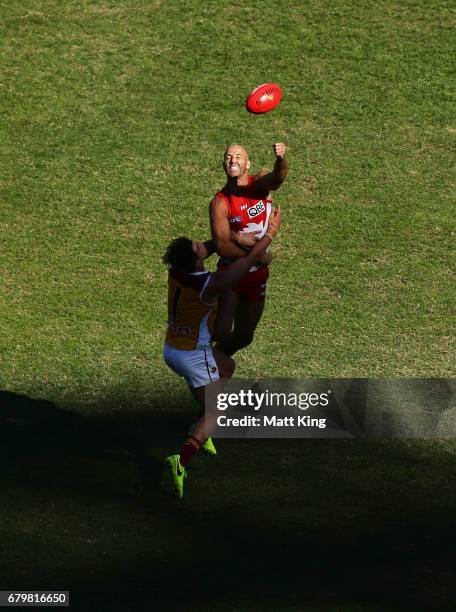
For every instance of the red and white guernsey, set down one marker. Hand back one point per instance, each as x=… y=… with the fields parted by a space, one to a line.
x=248 y=212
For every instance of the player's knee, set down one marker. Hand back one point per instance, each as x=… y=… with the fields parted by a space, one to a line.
x=227 y=367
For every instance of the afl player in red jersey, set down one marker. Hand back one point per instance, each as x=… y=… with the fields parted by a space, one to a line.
x=239 y=215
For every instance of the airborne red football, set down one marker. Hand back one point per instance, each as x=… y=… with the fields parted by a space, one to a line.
x=264 y=98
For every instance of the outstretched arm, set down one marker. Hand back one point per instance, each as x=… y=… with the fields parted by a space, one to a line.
x=245 y=241
x=237 y=270
x=271 y=181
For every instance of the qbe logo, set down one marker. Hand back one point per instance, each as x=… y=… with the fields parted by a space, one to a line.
x=256 y=210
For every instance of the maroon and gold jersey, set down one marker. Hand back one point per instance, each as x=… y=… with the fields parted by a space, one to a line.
x=190 y=319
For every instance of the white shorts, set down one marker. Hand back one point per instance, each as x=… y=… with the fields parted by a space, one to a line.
x=197 y=367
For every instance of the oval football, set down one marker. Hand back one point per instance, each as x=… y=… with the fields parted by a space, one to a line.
x=264 y=98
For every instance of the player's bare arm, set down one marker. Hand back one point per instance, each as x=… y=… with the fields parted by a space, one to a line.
x=227 y=278
x=271 y=181
x=247 y=240
x=221 y=231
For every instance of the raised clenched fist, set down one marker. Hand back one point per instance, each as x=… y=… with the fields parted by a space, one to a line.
x=279 y=149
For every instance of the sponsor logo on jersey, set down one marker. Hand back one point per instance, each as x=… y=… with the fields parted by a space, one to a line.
x=244 y=206
x=235 y=219
x=186 y=331
x=257 y=209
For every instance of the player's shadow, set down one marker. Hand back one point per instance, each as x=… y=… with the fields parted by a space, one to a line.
x=32 y=429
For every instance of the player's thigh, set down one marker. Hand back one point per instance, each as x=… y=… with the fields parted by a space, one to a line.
x=197 y=367
x=248 y=315
x=227 y=304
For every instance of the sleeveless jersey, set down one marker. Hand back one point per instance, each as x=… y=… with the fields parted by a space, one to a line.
x=190 y=320
x=248 y=212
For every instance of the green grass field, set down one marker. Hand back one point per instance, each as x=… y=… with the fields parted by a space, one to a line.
x=113 y=119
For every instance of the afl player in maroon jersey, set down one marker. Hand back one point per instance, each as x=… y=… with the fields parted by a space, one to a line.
x=239 y=215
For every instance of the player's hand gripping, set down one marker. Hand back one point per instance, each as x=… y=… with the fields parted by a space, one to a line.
x=279 y=149
x=246 y=240
x=275 y=221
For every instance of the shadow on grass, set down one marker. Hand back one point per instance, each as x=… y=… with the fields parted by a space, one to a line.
x=31 y=429
x=326 y=538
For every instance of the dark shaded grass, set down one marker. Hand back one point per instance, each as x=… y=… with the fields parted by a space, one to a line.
x=320 y=524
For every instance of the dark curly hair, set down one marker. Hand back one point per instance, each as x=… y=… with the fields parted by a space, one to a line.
x=179 y=254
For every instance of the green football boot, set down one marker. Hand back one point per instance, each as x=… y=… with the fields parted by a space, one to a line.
x=209 y=448
x=178 y=473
